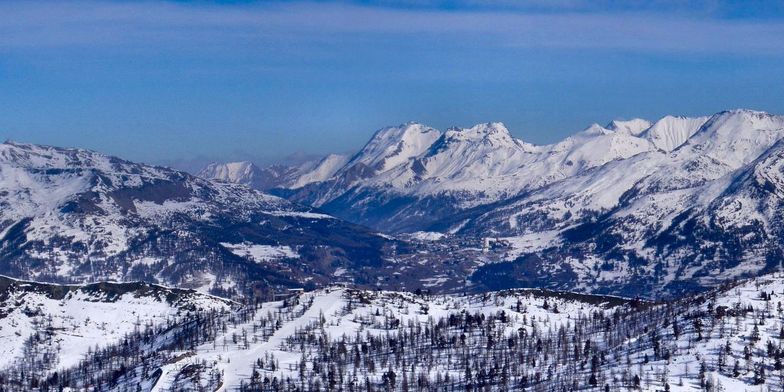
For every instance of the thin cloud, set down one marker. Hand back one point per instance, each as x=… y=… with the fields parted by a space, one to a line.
x=40 y=25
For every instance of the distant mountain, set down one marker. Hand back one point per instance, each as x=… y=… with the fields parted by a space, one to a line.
x=274 y=176
x=243 y=172
x=632 y=208
x=659 y=207
x=409 y=177
x=71 y=215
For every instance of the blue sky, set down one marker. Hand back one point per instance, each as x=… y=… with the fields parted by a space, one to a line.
x=181 y=82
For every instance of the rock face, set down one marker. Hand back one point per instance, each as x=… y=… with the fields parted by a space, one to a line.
x=70 y=215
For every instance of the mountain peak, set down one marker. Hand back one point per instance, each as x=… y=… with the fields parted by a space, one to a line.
x=595 y=130
x=745 y=117
x=634 y=126
x=737 y=137
x=391 y=146
x=240 y=172
x=744 y=111
x=730 y=121
x=670 y=132
x=490 y=131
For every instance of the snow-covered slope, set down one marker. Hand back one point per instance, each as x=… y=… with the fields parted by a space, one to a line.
x=73 y=215
x=321 y=171
x=231 y=350
x=671 y=132
x=459 y=169
x=724 y=339
x=657 y=222
x=55 y=326
x=274 y=176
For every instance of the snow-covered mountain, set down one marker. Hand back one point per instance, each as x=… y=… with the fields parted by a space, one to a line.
x=409 y=177
x=242 y=172
x=71 y=215
x=274 y=176
x=658 y=222
x=630 y=207
x=634 y=208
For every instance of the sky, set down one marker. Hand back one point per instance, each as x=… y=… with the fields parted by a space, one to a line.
x=182 y=83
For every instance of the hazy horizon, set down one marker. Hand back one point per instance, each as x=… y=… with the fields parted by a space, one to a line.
x=180 y=82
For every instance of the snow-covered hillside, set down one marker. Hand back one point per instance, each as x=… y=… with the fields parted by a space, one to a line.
x=634 y=207
x=72 y=215
x=230 y=350
x=725 y=339
x=323 y=170
x=54 y=327
x=275 y=176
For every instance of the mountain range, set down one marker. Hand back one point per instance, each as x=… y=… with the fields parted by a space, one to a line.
x=274 y=176
x=438 y=234
x=77 y=216
x=634 y=206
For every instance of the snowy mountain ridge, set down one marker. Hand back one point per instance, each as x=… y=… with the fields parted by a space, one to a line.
x=274 y=176
x=72 y=215
x=658 y=207
x=707 y=211
x=389 y=182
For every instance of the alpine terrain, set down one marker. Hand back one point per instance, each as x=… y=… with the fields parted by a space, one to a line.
x=633 y=256
x=77 y=216
x=633 y=207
